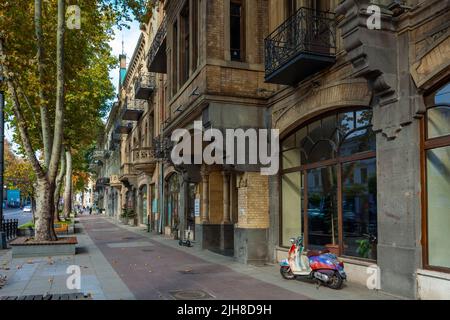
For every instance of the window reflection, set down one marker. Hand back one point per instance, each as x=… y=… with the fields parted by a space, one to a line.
x=334 y=137
x=437 y=155
x=359 y=208
x=438 y=186
x=438 y=121
x=322 y=207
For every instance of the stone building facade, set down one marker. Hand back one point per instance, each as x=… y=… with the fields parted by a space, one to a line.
x=353 y=139
x=364 y=123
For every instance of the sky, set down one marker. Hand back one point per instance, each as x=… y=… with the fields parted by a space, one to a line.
x=130 y=38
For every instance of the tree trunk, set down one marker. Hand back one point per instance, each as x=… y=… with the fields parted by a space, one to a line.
x=45 y=190
x=59 y=111
x=44 y=230
x=33 y=209
x=46 y=135
x=58 y=183
x=68 y=186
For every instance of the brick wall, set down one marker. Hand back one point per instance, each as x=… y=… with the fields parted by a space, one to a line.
x=253 y=201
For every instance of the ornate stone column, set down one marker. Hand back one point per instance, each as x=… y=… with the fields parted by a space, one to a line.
x=205 y=195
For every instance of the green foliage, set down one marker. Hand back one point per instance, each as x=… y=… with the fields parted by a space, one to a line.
x=128 y=213
x=364 y=248
x=27 y=225
x=88 y=61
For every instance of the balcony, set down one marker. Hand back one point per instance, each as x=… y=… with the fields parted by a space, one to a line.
x=144 y=160
x=127 y=175
x=156 y=59
x=99 y=155
x=133 y=110
x=101 y=183
x=302 y=46
x=115 y=182
x=123 y=127
x=144 y=86
x=114 y=141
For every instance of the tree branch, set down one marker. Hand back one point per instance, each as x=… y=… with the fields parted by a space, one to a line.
x=19 y=89
x=45 y=125
x=24 y=135
x=59 y=112
x=21 y=122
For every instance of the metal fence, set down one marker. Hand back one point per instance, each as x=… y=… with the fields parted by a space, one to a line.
x=9 y=227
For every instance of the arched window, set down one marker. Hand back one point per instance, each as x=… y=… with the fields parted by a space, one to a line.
x=436 y=180
x=328 y=184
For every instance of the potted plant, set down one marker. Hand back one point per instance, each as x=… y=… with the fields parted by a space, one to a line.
x=124 y=216
x=131 y=214
x=175 y=228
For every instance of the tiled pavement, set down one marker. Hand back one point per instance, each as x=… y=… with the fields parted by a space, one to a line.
x=123 y=262
x=153 y=270
x=163 y=266
x=35 y=276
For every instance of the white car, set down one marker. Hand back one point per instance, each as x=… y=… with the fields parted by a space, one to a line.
x=27 y=209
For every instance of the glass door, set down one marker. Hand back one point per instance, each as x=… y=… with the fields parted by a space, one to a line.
x=322 y=207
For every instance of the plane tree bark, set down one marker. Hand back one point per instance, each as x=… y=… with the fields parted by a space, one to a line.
x=59 y=183
x=68 y=185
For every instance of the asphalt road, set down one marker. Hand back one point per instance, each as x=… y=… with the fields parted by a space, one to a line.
x=12 y=213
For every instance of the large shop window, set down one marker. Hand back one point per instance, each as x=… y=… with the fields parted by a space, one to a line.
x=437 y=179
x=328 y=184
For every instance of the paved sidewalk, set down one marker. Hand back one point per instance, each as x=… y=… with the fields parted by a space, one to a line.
x=153 y=270
x=124 y=262
x=234 y=280
x=42 y=275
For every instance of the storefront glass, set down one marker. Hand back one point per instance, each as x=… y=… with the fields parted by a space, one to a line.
x=292 y=199
x=322 y=207
x=173 y=193
x=437 y=173
x=359 y=207
x=335 y=206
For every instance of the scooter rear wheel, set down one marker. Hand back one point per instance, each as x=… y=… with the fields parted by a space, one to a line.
x=335 y=281
x=287 y=274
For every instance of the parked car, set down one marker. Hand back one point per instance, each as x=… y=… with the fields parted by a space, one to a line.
x=27 y=209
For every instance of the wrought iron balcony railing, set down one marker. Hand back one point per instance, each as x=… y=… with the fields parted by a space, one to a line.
x=123 y=127
x=114 y=140
x=102 y=182
x=98 y=154
x=156 y=59
x=301 y=46
x=133 y=110
x=144 y=86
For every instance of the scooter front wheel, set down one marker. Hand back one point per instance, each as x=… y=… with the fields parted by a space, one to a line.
x=335 y=281
x=286 y=273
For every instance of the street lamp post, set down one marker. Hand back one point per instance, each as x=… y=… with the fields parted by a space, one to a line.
x=2 y=144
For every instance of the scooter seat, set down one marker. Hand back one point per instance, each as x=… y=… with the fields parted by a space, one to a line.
x=314 y=253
